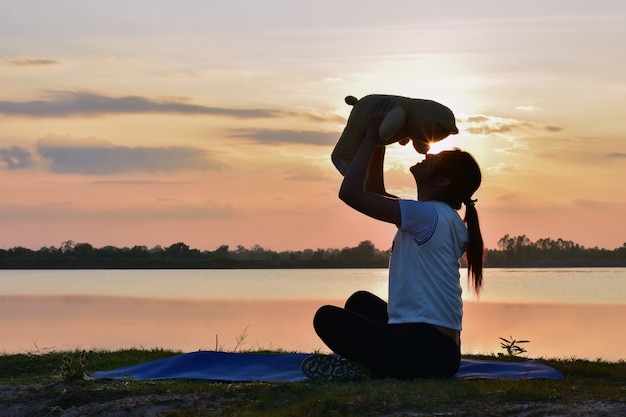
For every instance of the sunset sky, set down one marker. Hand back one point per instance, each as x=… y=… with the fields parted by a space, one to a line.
x=211 y=122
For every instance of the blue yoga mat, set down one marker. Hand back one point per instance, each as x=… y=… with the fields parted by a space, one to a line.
x=285 y=367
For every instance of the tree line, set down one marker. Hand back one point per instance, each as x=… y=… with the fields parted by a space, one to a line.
x=512 y=252
x=520 y=252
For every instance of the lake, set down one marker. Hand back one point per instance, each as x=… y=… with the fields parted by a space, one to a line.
x=575 y=312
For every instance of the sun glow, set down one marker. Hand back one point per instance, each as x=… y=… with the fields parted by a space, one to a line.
x=443 y=145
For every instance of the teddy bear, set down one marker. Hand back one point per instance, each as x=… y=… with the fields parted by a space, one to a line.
x=419 y=120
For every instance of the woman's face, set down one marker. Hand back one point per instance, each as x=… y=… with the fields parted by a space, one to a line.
x=424 y=169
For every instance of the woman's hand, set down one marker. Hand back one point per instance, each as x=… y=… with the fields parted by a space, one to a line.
x=376 y=117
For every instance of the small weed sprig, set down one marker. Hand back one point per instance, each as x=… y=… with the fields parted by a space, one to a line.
x=239 y=341
x=512 y=348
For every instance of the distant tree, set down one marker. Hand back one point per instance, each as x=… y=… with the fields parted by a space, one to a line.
x=67 y=246
x=177 y=250
x=156 y=249
x=21 y=252
x=319 y=255
x=139 y=252
x=365 y=250
x=83 y=250
x=222 y=252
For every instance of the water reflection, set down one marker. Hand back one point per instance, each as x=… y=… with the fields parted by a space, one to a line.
x=589 y=331
x=29 y=323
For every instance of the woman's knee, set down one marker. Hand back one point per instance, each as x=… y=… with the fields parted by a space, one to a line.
x=325 y=316
x=368 y=305
x=362 y=297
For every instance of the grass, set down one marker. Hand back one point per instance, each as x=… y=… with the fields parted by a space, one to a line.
x=49 y=383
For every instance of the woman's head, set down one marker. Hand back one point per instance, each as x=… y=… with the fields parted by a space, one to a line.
x=463 y=173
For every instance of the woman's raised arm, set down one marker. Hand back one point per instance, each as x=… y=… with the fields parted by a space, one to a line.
x=368 y=195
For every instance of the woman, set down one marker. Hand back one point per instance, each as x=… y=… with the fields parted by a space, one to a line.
x=416 y=334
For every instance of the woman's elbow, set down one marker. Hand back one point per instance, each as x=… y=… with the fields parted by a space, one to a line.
x=342 y=194
x=346 y=195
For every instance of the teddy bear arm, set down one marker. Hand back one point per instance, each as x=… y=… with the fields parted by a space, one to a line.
x=392 y=124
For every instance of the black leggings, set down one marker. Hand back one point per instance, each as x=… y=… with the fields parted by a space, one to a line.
x=360 y=331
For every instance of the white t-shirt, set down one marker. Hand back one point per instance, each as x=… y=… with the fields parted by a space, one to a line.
x=424 y=273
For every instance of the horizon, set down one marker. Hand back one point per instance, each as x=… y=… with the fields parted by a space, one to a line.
x=211 y=124
x=255 y=246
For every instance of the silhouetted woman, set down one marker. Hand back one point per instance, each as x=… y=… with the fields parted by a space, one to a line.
x=417 y=333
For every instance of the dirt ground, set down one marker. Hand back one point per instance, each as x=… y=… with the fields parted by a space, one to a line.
x=61 y=400
x=28 y=401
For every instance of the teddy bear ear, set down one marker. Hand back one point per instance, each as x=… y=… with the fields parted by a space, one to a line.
x=391 y=124
x=449 y=125
x=351 y=100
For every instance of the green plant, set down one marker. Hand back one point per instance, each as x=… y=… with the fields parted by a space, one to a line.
x=73 y=367
x=511 y=346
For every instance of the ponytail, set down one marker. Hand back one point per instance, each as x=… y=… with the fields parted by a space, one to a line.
x=475 y=247
x=465 y=177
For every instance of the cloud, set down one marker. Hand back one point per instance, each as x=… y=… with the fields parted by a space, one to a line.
x=617 y=155
x=161 y=211
x=490 y=125
x=477 y=119
x=100 y=158
x=16 y=157
x=528 y=108
x=288 y=136
x=155 y=211
x=593 y=204
x=502 y=168
x=138 y=182
x=551 y=128
x=305 y=172
x=81 y=103
x=29 y=62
